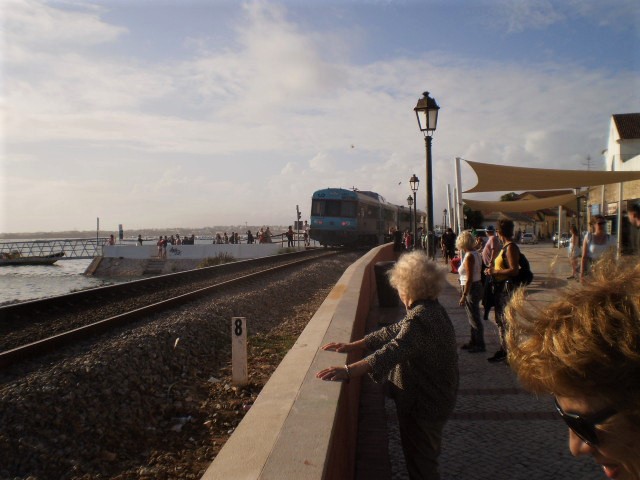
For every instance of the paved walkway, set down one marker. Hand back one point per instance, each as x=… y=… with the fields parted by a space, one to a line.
x=498 y=431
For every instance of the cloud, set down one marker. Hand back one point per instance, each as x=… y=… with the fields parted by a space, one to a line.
x=246 y=129
x=36 y=25
x=520 y=15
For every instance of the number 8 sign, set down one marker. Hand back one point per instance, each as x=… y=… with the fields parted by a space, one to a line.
x=239 y=375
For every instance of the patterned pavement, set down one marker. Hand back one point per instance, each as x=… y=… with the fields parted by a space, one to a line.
x=498 y=431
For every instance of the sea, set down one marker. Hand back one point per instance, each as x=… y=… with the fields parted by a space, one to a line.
x=21 y=283
x=30 y=282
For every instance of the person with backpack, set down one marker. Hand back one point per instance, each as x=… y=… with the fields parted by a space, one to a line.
x=505 y=269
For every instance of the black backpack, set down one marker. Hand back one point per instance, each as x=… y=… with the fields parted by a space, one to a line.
x=525 y=275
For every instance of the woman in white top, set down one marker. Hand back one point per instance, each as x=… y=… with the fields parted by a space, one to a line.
x=594 y=245
x=574 y=252
x=471 y=289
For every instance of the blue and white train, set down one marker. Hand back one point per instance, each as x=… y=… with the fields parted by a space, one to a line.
x=342 y=217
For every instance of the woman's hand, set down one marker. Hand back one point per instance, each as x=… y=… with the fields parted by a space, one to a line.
x=337 y=347
x=461 y=302
x=333 y=374
x=345 y=347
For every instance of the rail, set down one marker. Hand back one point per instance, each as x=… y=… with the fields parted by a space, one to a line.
x=46 y=345
x=73 y=248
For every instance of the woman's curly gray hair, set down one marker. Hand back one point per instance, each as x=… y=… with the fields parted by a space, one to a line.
x=417 y=276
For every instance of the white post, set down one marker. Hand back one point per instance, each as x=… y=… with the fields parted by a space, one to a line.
x=459 y=209
x=559 y=223
x=239 y=375
x=450 y=215
x=454 y=224
x=619 y=227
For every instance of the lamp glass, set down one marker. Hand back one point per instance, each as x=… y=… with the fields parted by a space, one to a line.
x=427 y=113
x=414 y=182
x=409 y=201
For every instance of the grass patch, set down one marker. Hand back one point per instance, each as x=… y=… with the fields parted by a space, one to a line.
x=280 y=344
x=217 y=260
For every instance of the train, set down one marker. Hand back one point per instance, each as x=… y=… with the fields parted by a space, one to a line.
x=354 y=218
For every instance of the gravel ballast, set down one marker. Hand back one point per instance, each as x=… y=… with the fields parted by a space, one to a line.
x=155 y=400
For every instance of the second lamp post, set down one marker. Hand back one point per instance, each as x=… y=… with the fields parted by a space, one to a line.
x=414 y=182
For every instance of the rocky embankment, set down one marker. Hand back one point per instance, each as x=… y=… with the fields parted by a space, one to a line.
x=154 y=401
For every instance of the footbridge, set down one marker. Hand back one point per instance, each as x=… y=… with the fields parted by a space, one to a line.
x=73 y=248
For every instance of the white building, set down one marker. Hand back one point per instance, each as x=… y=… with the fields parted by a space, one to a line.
x=622 y=154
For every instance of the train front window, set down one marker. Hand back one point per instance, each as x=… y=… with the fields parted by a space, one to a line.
x=333 y=208
x=317 y=208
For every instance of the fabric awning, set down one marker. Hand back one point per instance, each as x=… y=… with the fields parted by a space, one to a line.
x=568 y=200
x=501 y=178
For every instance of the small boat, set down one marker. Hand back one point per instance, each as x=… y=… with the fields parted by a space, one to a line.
x=16 y=258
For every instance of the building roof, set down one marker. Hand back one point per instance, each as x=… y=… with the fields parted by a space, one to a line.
x=628 y=125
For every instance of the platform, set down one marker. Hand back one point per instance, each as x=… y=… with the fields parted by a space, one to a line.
x=498 y=431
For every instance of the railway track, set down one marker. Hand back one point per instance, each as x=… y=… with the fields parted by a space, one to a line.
x=31 y=329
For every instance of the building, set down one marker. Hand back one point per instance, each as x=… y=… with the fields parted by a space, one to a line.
x=622 y=154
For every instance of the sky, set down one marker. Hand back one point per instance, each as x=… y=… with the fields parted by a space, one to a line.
x=194 y=113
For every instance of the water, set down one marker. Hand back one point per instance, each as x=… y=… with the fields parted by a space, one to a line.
x=30 y=282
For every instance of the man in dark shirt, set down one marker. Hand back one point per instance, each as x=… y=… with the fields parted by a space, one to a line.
x=448 y=245
x=634 y=229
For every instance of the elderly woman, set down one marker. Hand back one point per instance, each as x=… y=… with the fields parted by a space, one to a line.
x=584 y=349
x=418 y=356
x=470 y=273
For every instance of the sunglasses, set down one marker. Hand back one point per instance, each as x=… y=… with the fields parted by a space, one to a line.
x=585 y=425
x=601 y=223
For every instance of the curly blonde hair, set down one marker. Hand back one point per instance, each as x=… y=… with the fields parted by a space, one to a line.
x=417 y=276
x=465 y=241
x=587 y=342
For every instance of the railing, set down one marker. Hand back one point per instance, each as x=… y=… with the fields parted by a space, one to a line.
x=73 y=248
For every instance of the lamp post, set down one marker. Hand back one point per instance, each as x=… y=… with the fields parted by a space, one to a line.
x=427 y=114
x=410 y=203
x=444 y=219
x=414 y=182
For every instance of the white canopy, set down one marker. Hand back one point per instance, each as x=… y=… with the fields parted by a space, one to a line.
x=568 y=200
x=500 y=178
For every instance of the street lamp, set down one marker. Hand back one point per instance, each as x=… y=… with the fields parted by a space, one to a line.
x=444 y=220
x=427 y=114
x=410 y=202
x=414 y=182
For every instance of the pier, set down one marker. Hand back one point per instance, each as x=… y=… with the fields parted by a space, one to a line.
x=73 y=248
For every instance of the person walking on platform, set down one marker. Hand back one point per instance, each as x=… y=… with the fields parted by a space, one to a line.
x=574 y=253
x=470 y=273
x=449 y=245
x=506 y=266
x=634 y=228
x=583 y=349
x=489 y=254
x=594 y=245
x=418 y=356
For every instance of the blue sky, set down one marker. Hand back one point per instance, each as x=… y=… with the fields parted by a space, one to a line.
x=195 y=113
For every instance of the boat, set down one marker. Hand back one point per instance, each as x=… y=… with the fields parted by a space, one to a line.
x=16 y=258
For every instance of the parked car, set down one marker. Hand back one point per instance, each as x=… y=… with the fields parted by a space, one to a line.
x=529 y=238
x=565 y=239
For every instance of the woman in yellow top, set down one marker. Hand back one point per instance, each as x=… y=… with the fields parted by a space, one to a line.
x=505 y=266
